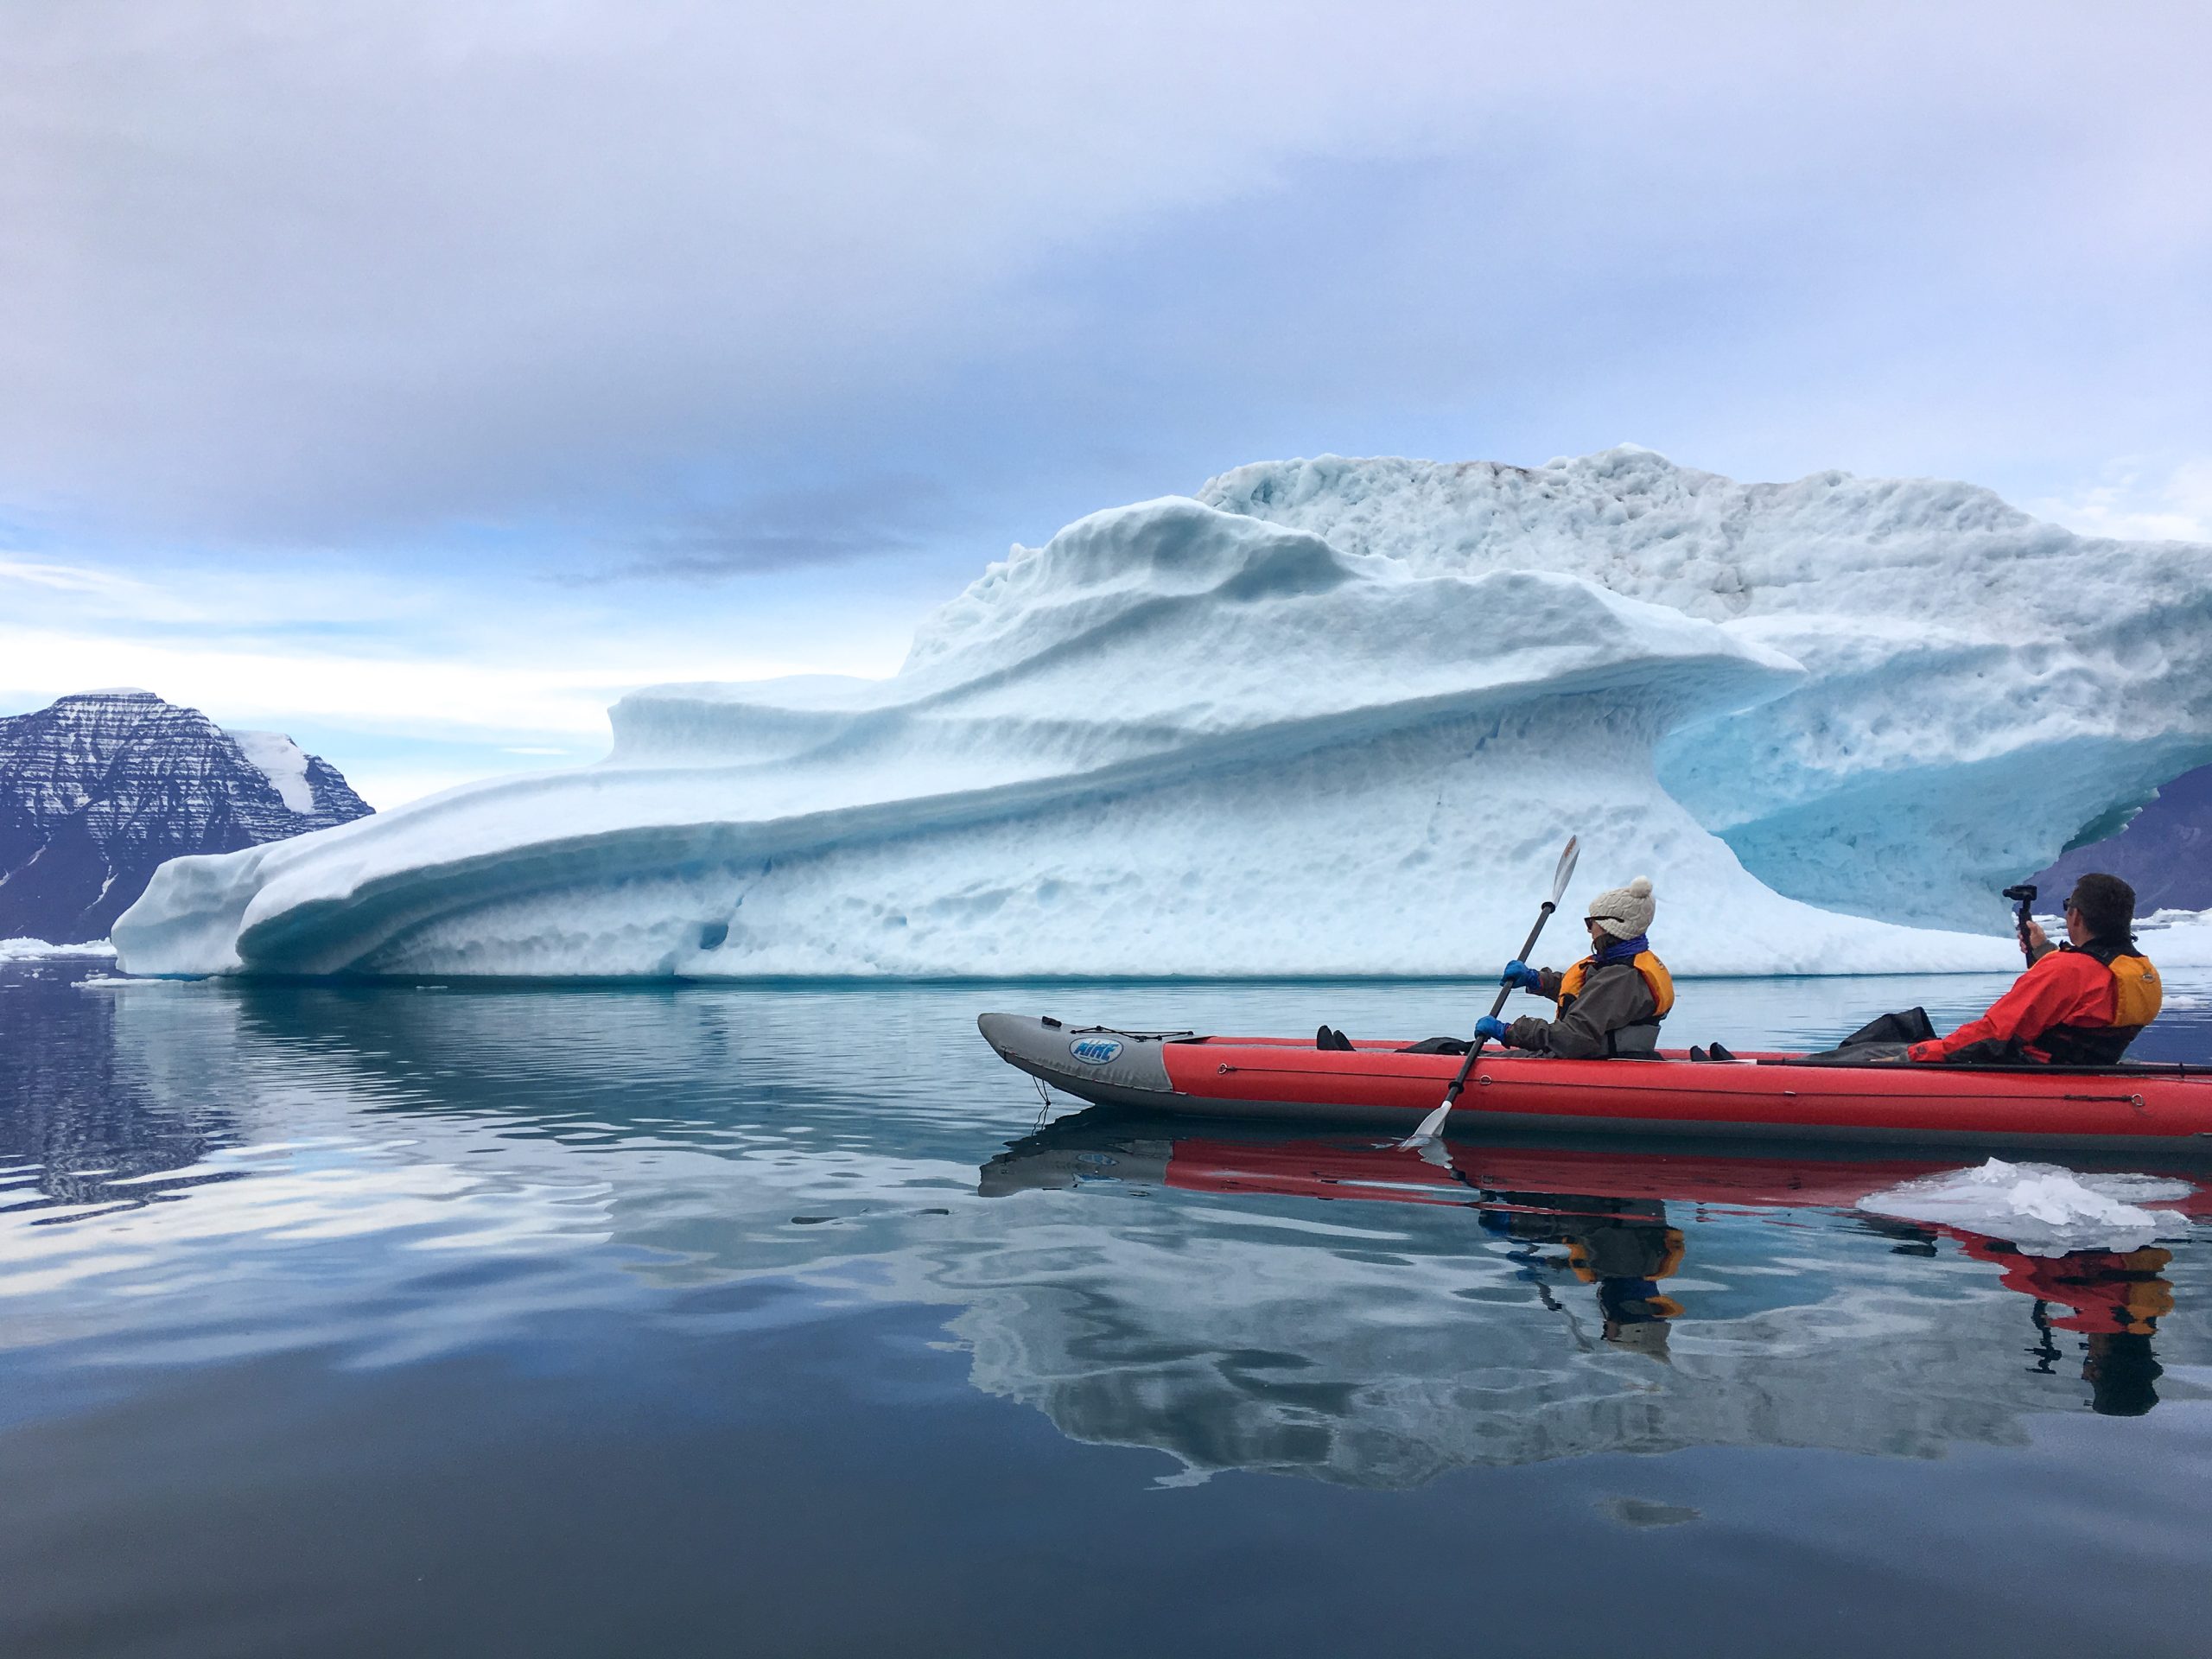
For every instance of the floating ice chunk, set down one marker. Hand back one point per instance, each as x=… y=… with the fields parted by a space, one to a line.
x=40 y=951
x=2045 y=1208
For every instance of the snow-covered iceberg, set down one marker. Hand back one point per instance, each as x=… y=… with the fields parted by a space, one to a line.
x=1180 y=740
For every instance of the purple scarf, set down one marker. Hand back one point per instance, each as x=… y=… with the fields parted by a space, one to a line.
x=1623 y=951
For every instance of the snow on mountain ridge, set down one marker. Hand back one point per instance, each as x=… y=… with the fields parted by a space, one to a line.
x=282 y=763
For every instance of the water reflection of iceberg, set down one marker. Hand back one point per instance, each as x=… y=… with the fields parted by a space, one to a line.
x=1569 y=1315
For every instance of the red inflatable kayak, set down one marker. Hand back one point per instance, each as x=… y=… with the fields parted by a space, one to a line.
x=2113 y=1107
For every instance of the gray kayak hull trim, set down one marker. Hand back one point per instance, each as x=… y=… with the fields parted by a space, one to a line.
x=1113 y=1068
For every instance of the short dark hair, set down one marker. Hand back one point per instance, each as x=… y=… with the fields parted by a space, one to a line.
x=2107 y=903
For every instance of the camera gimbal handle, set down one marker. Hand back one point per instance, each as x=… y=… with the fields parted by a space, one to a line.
x=2022 y=896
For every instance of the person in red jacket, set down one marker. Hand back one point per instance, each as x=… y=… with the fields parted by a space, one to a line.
x=2080 y=1003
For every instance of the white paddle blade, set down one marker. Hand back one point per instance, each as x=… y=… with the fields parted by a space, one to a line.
x=1565 y=874
x=1430 y=1126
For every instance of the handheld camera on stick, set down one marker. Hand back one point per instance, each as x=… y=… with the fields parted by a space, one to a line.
x=2022 y=897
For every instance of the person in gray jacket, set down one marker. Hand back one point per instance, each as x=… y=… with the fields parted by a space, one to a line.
x=1612 y=1001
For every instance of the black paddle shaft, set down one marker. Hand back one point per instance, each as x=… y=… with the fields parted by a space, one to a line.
x=1452 y=1095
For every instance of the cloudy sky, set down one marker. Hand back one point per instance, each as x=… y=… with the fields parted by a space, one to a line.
x=417 y=376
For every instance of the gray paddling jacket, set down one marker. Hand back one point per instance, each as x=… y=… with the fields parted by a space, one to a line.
x=1608 y=1011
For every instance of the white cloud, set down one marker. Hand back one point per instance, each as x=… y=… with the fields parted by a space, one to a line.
x=66 y=578
x=397 y=694
x=2136 y=500
x=448 y=678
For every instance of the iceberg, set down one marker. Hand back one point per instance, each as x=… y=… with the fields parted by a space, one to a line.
x=1335 y=718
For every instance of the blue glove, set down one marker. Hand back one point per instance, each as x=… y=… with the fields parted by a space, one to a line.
x=1521 y=975
x=1491 y=1026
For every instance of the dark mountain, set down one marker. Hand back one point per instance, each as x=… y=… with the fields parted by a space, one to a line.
x=101 y=788
x=2165 y=854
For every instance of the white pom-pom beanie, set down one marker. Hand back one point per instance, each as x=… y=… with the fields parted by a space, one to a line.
x=1625 y=911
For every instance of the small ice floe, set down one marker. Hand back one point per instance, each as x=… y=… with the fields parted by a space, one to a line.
x=40 y=951
x=2045 y=1208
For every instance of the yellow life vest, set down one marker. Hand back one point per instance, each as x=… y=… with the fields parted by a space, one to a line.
x=1661 y=983
x=1670 y=1262
x=2147 y=1301
x=2137 y=996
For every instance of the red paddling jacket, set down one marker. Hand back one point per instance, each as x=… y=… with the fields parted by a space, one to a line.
x=2079 y=1005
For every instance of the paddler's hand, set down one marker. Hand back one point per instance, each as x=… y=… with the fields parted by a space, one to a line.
x=1490 y=1027
x=2037 y=941
x=1521 y=975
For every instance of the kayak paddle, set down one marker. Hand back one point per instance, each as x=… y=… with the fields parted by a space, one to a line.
x=1433 y=1125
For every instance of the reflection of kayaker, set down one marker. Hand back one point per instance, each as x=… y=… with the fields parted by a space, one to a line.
x=2110 y=1291
x=1622 y=1246
x=1607 y=1207
x=2121 y=1370
x=2116 y=1298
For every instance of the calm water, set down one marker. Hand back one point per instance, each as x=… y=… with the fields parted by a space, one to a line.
x=759 y=1321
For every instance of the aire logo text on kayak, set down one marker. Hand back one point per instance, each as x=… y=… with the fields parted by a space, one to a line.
x=1094 y=1051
